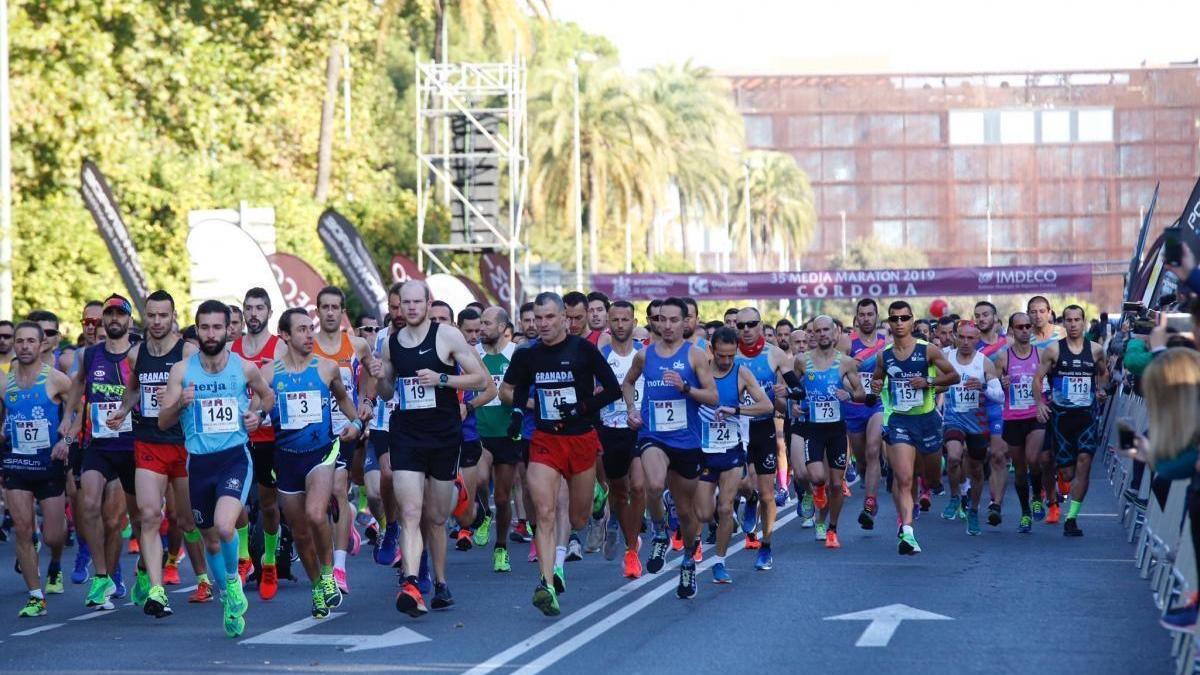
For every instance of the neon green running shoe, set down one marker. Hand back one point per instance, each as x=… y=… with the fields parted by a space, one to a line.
x=141 y=588
x=100 y=594
x=560 y=580
x=599 y=499
x=235 y=597
x=127 y=532
x=908 y=544
x=320 y=610
x=822 y=530
x=483 y=532
x=234 y=624
x=54 y=583
x=33 y=607
x=500 y=560
x=545 y=599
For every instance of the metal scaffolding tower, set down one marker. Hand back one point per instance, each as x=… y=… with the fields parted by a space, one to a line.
x=477 y=158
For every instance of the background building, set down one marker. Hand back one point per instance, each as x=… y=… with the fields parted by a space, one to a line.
x=1056 y=166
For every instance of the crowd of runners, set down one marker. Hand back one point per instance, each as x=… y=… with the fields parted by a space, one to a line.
x=258 y=435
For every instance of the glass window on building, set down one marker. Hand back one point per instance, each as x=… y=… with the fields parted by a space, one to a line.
x=922 y=129
x=804 y=131
x=839 y=130
x=966 y=127
x=1017 y=127
x=889 y=200
x=1010 y=234
x=1056 y=126
x=1095 y=125
x=1053 y=231
x=885 y=129
x=889 y=232
x=922 y=234
x=887 y=165
x=837 y=166
x=760 y=131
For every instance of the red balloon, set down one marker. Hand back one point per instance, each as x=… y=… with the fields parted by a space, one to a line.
x=938 y=307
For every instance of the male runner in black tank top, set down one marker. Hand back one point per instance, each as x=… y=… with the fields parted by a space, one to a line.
x=425 y=435
x=159 y=456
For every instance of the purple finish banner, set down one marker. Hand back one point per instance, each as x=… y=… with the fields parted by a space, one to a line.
x=849 y=284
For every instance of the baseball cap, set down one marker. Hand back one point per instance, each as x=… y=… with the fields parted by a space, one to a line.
x=115 y=301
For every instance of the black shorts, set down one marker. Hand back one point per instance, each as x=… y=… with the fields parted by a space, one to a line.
x=346 y=455
x=214 y=475
x=436 y=463
x=112 y=464
x=292 y=468
x=714 y=464
x=762 y=451
x=976 y=444
x=617 y=445
x=684 y=462
x=825 y=443
x=43 y=485
x=1016 y=431
x=506 y=451
x=75 y=461
x=1072 y=433
x=469 y=453
x=262 y=455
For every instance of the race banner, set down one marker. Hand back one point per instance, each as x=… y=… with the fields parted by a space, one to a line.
x=350 y=253
x=493 y=270
x=405 y=268
x=849 y=284
x=476 y=290
x=299 y=283
x=107 y=214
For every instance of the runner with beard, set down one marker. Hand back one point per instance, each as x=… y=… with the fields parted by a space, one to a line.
x=993 y=344
x=504 y=455
x=528 y=327
x=597 y=316
x=864 y=424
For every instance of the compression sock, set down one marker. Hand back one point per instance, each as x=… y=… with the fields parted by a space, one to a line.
x=243 y=541
x=1023 y=494
x=229 y=553
x=216 y=563
x=1073 y=509
x=270 y=543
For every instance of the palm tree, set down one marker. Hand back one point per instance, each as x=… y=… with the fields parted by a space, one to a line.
x=624 y=148
x=781 y=204
x=501 y=19
x=705 y=135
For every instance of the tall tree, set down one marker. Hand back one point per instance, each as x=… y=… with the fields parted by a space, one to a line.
x=781 y=204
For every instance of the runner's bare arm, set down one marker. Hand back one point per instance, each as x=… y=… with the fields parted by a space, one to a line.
x=132 y=388
x=1101 y=370
x=850 y=377
x=1048 y=356
x=629 y=386
x=486 y=396
x=748 y=385
x=72 y=419
x=706 y=393
x=262 y=391
x=948 y=375
x=385 y=385
x=175 y=397
x=332 y=377
x=473 y=375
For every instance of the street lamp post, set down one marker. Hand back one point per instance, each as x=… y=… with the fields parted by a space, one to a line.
x=577 y=177
x=746 y=214
x=843 y=214
x=6 y=280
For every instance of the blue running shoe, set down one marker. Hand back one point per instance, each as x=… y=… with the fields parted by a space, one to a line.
x=851 y=474
x=385 y=553
x=765 y=560
x=781 y=496
x=1038 y=510
x=121 y=591
x=808 y=507
x=973 y=522
x=83 y=559
x=424 y=581
x=750 y=514
x=612 y=537
x=720 y=576
x=672 y=513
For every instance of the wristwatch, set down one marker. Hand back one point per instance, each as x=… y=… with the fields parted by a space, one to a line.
x=443 y=379
x=686 y=387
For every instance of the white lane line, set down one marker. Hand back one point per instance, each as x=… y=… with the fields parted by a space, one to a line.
x=1100 y=515
x=39 y=629
x=595 y=606
x=92 y=615
x=189 y=589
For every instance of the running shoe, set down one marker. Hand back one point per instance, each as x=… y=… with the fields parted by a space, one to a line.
x=698 y=552
x=973 y=522
x=711 y=536
x=33 y=607
x=463 y=540
x=1064 y=486
x=831 y=540
x=926 y=499
x=822 y=531
x=245 y=568
x=633 y=564
x=1026 y=525
x=676 y=541
x=952 y=507
x=560 y=580
x=1052 y=514
x=866 y=519
x=463 y=501
x=333 y=594
x=851 y=474
x=424 y=581
x=687 y=581
x=119 y=583
x=141 y=588
x=441 y=597
x=750 y=514
x=156 y=603
x=574 y=549
x=994 y=517
x=371 y=532
x=819 y=498
x=752 y=542
x=781 y=497
x=409 y=599
x=808 y=522
x=595 y=537
x=668 y=501
x=599 y=499
x=765 y=560
x=83 y=559
x=320 y=610
x=846 y=490
x=807 y=508
x=235 y=598
x=1180 y=619
x=1071 y=528
x=1038 y=510
x=612 y=537
x=908 y=544
x=339 y=578
x=545 y=599
x=203 y=593
x=721 y=575
x=268 y=581
x=234 y=624
x=500 y=561
x=99 y=596
x=658 y=555
x=54 y=583
x=365 y=519
x=355 y=540
x=483 y=532
x=171 y=574
x=533 y=556
x=386 y=553
x=519 y=534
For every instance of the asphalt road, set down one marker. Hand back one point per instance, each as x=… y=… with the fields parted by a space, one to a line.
x=1000 y=602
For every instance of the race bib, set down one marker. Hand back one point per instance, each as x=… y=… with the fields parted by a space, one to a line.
x=300 y=409
x=1077 y=390
x=219 y=415
x=414 y=395
x=718 y=437
x=904 y=397
x=669 y=415
x=150 y=394
x=100 y=413
x=496 y=380
x=383 y=412
x=618 y=406
x=30 y=436
x=965 y=400
x=865 y=380
x=335 y=413
x=1020 y=394
x=550 y=399
x=825 y=411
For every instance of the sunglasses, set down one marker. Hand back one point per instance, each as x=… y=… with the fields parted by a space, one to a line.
x=48 y=332
x=9 y=336
x=1022 y=326
x=743 y=325
x=900 y=319
x=91 y=322
x=368 y=329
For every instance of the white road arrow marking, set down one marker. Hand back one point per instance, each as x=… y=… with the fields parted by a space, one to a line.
x=884 y=622
x=290 y=635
